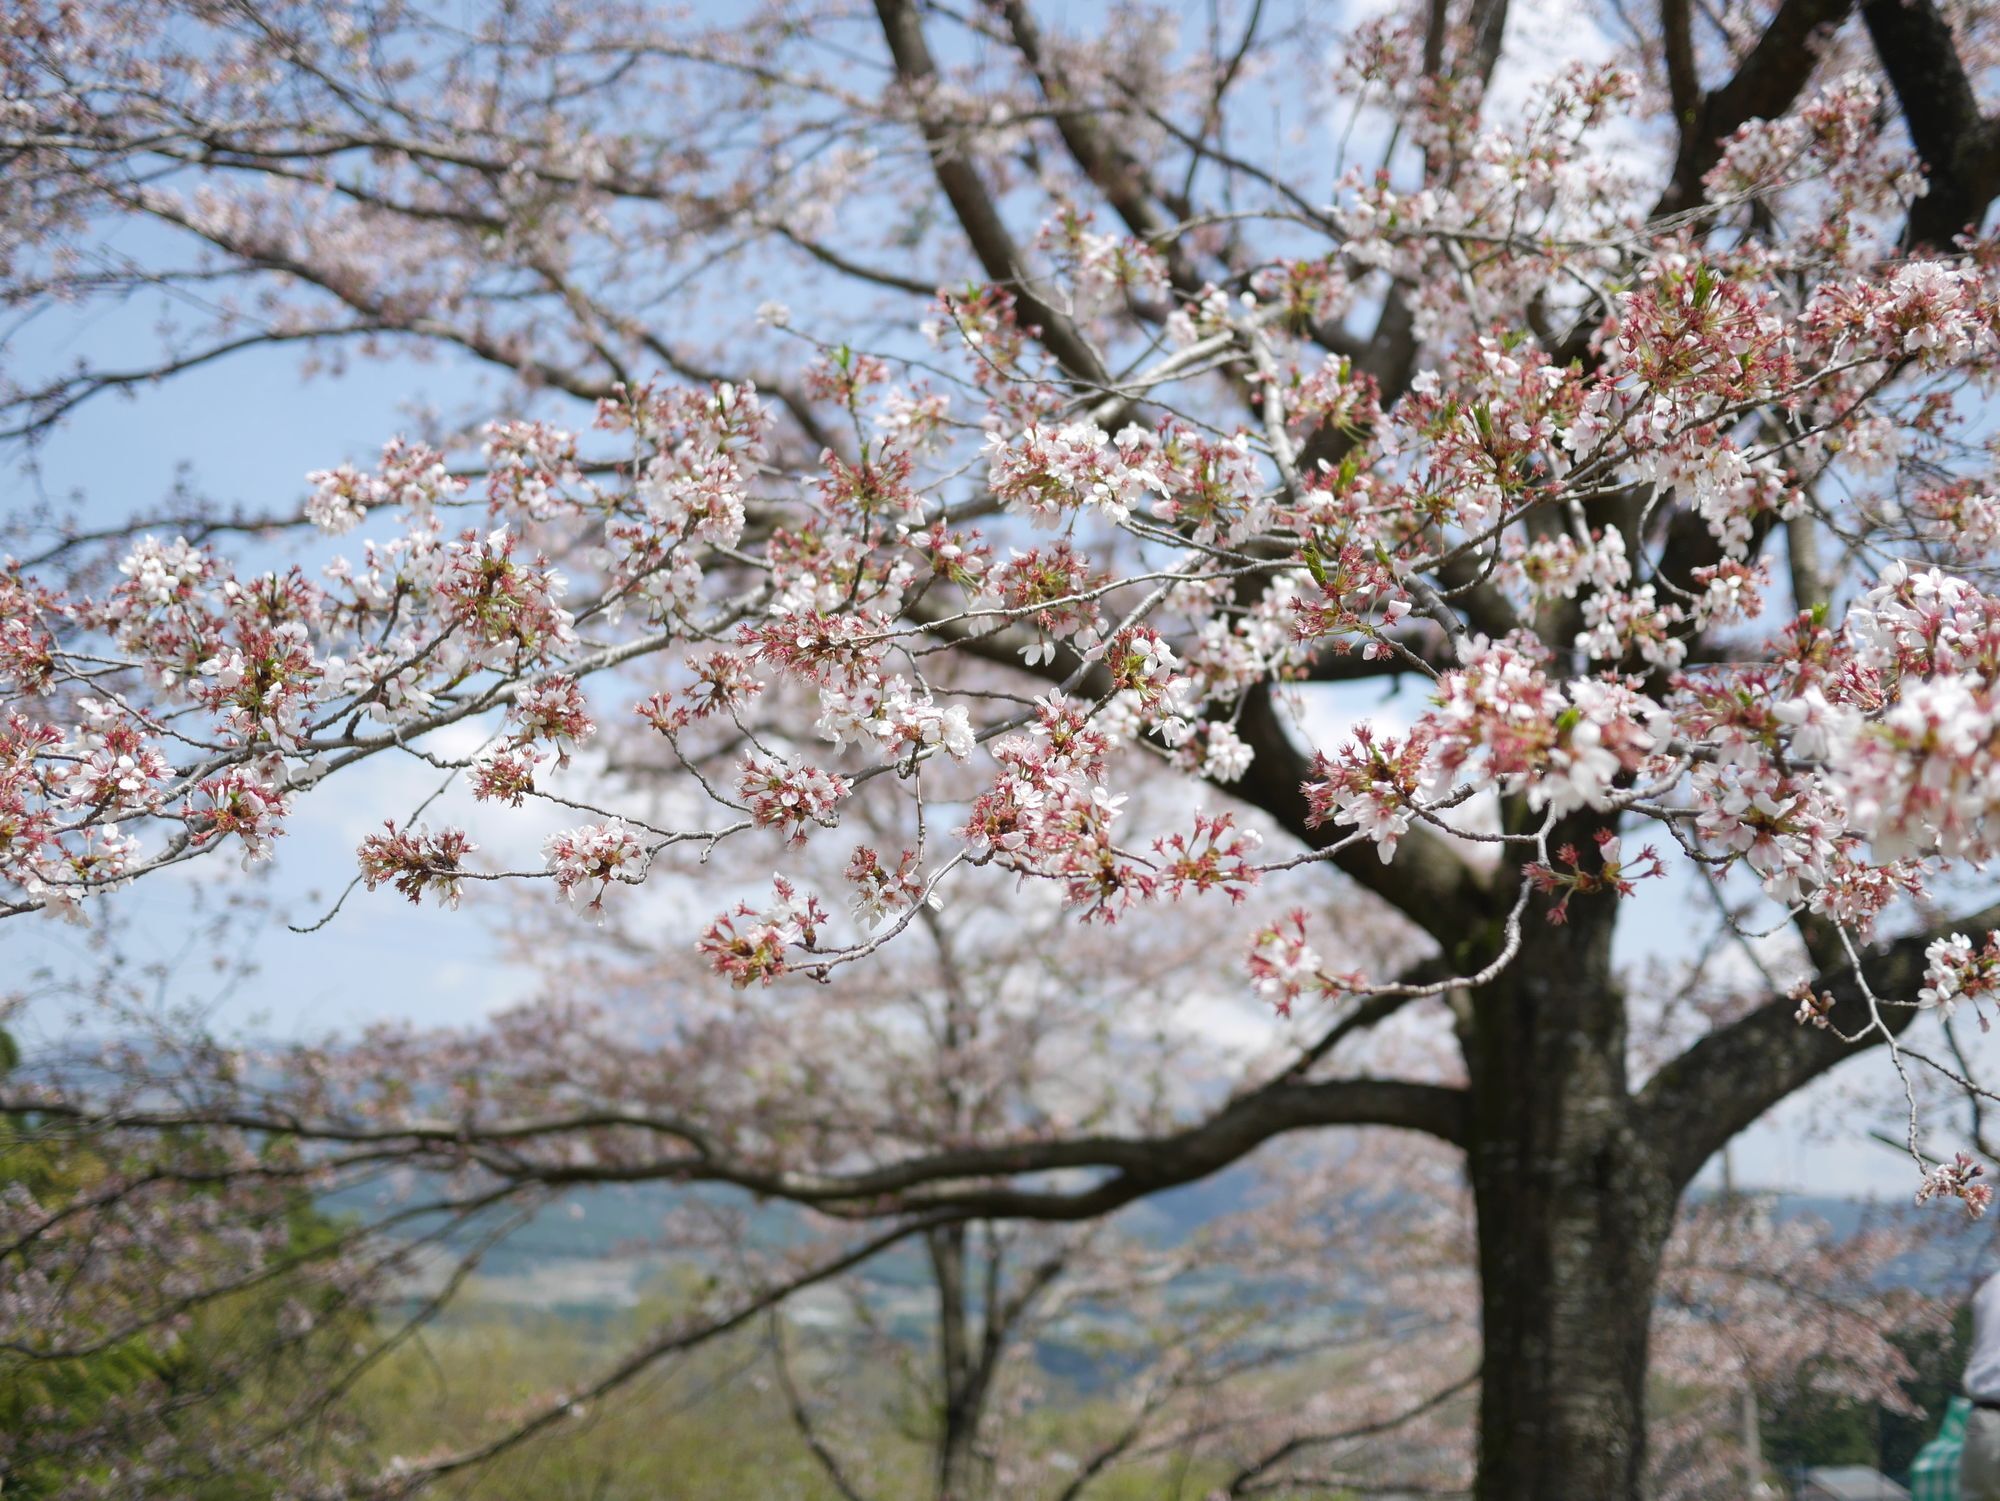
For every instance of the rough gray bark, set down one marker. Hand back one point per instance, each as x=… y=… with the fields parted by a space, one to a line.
x=1577 y=1178
x=1574 y=1206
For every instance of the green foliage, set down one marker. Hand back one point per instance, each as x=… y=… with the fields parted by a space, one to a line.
x=1809 y=1427
x=712 y=1424
x=210 y=1377
x=1939 y=1359
x=704 y=1426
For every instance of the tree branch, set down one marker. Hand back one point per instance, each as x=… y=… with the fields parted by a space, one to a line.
x=1427 y=882
x=977 y=214
x=1683 y=83
x=1107 y=164
x=937 y=1181
x=1762 y=88
x=1715 y=1089
x=1959 y=147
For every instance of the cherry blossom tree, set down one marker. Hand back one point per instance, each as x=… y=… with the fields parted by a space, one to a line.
x=1338 y=1272
x=1320 y=1335
x=1615 y=405
x=1343 y=1269
x=1747 y=1299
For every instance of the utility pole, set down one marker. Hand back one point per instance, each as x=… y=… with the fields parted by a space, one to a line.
x=1754 y=1488
x=1753 y=1446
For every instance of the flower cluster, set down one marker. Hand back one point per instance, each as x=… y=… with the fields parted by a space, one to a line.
x=1371 y=783
x=1785 y=827
x=118 y=769
x=788 y=795
x=244 y=801
x=723 y=684
x=528 y=466
x=1048 y=814
x=1214 y=750
x=262 y=683
x=508 y=610
x=880 y=891
x=1953 y=973
x=1566 y=878
x=28 y=665
x=410 y=476
x=503 y=774
x=1099 y=265
x=1142 y=663
x=1215 y=856
x=897 y=717
x=833 y=650
x=1501 y=721
x=1211 y=488
x=552 y=711
x=596 y=853
x=1282 y=965
x=749 y=945
x=415 y=860
x=1956 y=1180
x=1050 y=474
x=1048 y=588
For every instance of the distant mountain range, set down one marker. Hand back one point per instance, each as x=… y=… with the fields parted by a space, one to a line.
x=599 y=1248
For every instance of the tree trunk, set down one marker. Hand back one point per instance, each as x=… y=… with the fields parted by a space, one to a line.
x=1574 y=1208
x=962 y=1388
